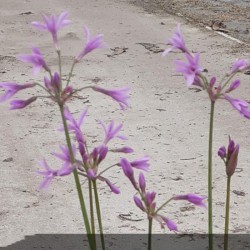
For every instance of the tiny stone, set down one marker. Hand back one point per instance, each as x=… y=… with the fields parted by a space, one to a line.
x=8 y=159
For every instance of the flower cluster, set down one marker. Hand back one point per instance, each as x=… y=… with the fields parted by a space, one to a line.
x=146 y=201
x=53 y=85
x=194 y=75
x=230 y=156
x=90 y=161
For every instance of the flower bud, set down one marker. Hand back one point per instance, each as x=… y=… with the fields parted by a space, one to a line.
x=232 y=162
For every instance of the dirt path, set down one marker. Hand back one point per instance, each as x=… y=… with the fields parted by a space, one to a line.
x=166 y=121
x=229 y=17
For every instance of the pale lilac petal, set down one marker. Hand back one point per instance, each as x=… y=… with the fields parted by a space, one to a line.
x=170 y=224
x=177 y=42
x=239 y=66
x=142 y=163
x=112 y=187
x=125 y=150
x=222 y=152
x=120 y=95
x=193 y=198
x=91 y=174
x=142 y=183
x=45 y=183
x=20 y=104
x=240 y=105
x=128 y=171
x=91 y=44
x=138 y=203
x=111 y=131
x=12 y=88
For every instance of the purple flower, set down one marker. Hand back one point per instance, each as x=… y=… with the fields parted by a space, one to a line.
x=141 y=163
x=128 y=171
x=222 y=152
x=142 y=183
x=231 y=147
x=191 y=69
x=240 y=105
x=52 y=85
x=65 y=155
x=193 y=198
x=75 y=126
x=231 y=157
x=49 y=173
x=232 y=161
x=91 y=174
x=112 y=132
x=239 y=66
x=138 y=203
x=125 y=150
x=177 y=42
x=120 y=95
x=20 y=104
x=12 y=88
x=36 y=59
x=99 y=154
x=53 y=24
x=149 y=198
x=234 y=85
x=170 y=224
x=112 y=187
x=91 y=44
x=213 y=92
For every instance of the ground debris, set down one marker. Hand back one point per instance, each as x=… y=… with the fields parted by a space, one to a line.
x=127 y=217
x=117 y=51
x=152 y=47
x=239 y=193
x=10 y=159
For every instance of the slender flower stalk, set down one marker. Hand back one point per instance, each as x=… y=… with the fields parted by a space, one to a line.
x=194 y=76
x=77 y=181
x=99 y=217
x=92 y=216
x=227 y=214
x=230 y=159
x=210 y=177
x=150 y=225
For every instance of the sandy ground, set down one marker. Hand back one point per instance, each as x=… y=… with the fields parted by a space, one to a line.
x=229 y=17
x=166 y=121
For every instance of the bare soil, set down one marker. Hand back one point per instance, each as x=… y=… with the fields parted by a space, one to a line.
x=231 y=17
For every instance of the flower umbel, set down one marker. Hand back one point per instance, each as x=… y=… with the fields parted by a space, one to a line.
x=230 y=156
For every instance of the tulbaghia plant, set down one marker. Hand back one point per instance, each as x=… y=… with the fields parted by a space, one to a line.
x=78 y=158
x=145 y=201
x=217 y=90
x=230 y=159
x=60 y=92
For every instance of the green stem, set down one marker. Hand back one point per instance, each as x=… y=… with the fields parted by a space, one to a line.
x=60 y=69
x=163 y=205
x=210 y=178
x=77 y=181
x=98 y=210
x=227 y=214
x=150 y=222
x=71 y=72
x=92 y=211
